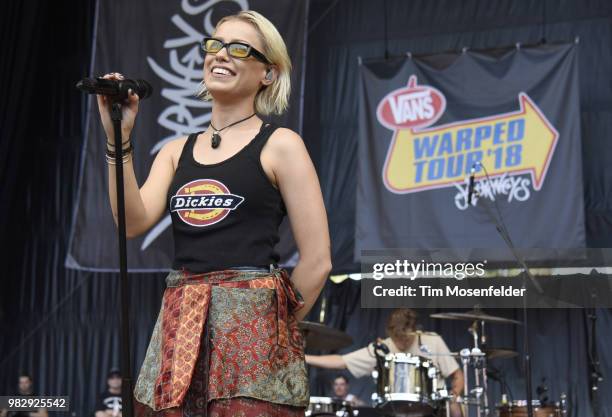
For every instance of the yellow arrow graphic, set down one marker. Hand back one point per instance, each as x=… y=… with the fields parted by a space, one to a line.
x=518 y=142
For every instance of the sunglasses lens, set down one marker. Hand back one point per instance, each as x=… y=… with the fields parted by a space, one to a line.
x=238 y=50
x=212 y=45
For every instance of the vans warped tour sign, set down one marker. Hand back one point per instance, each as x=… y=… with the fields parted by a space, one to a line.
x=424 y=124
x=163 y=47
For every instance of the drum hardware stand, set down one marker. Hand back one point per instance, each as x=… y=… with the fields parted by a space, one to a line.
x=437 y=394
x=465 y=360
x=499 y=376
x=594 y=366
x=505 y=235
x=480 y=386
x=322 y=309
x=478 y=394
x=422 y=347
x=380 y=351
x=375 y=399
x=563 y=405
x=542 y=391
x=480 y=362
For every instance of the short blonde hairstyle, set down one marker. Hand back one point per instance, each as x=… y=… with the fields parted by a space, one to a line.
x=273 y=98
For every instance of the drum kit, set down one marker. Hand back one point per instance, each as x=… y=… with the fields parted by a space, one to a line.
x=412 y=386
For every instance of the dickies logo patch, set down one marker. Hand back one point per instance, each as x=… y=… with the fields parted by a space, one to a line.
x=204 y=202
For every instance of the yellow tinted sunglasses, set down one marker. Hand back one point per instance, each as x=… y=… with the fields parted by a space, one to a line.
x=238 y=50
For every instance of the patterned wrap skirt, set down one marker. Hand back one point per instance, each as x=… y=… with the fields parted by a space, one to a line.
x=226 y=343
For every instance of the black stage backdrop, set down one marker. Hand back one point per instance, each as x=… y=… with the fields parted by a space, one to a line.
x=346 y=30
x=420 y=127
x=61 y=325
x=170 y=58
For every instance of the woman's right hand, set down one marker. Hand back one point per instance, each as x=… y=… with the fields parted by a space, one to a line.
x=129 y=111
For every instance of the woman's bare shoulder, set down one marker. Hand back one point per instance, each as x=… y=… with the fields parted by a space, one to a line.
x=286 y=140
x=175 y=145
x=172 y=149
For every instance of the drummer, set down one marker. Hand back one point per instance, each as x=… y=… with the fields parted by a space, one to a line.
x=401 y=337
x=341 y=387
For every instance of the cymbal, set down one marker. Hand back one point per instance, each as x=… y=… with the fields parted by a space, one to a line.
x=490 y=353
x=321 y=337
x=500 y=353
x=472 y=315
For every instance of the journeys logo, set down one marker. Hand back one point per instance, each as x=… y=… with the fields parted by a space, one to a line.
x=204 y=202
x=424 y=158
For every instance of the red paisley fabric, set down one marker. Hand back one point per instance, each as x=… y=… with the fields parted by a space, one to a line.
x=206 y=366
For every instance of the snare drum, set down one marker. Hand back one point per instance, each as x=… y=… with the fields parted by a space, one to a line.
x=407 y=384
x=327 y=406
x=519 y=409
x=407 y=378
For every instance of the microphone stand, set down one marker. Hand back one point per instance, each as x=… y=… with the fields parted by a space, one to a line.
x=503 y=232
x=124 y=291
x=595 y=375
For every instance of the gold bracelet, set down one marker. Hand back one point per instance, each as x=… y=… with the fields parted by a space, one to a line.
x=126 y=158
x=109 y=143
x=111 y=149
x=124 y=151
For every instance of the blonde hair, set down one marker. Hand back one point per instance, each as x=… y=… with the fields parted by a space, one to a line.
x=273 y=98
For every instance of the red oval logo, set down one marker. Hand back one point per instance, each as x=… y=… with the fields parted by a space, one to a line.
x=411 y=107
x=204 y=202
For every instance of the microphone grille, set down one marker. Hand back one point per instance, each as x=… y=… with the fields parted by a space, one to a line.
x=143 y=88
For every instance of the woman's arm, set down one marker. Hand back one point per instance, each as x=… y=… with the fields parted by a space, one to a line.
x=297 y=181
x=143 y=206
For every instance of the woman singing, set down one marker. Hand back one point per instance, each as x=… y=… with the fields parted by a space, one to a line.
x=226 y=341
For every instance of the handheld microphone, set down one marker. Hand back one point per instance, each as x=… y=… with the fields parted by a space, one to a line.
x=116 y=90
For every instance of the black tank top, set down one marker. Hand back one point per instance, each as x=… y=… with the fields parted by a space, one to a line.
x=225 y=214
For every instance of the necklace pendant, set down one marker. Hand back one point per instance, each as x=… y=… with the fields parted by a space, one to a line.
x=216 y=140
